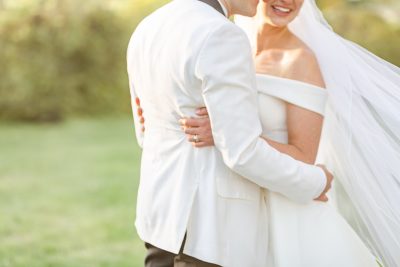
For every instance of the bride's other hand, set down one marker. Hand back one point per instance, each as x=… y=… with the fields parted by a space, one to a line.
x=198 y=130
x=139 y=112
x=329 y=178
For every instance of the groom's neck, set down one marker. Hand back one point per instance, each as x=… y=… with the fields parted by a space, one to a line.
x=226 y=6
x=246 y=8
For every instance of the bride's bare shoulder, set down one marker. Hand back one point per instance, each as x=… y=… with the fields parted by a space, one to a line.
x=305 y=67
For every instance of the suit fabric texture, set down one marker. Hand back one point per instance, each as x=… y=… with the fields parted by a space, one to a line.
x=183 y=56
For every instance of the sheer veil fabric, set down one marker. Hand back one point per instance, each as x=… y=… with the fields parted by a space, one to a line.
x=361 y=134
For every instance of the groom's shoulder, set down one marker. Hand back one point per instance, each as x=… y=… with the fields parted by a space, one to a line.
x=189 y=20
x=201 y=15
x=186 y=12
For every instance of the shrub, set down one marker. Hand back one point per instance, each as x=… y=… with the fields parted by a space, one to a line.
x=369 y=29
x=61 y=61
x=67 y=57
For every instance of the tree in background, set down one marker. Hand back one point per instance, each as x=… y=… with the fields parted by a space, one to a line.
x=374 y=24
x=65 y=58
x=62 y=58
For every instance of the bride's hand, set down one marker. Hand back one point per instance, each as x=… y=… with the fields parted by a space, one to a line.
x=139 y=112
x=198 y=130
x=329 y=178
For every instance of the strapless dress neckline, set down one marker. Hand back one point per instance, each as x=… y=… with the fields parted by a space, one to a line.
x=296 y=92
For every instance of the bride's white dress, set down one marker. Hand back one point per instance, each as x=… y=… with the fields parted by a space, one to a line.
x=315 y=234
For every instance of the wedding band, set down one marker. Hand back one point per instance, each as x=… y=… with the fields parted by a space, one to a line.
x=196 y=138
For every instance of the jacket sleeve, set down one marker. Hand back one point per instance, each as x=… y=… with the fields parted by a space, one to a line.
x=226 y=70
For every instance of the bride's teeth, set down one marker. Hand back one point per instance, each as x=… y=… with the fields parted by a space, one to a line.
x=282 y=9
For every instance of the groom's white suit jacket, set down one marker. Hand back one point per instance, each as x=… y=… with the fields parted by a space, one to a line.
x=184 y=56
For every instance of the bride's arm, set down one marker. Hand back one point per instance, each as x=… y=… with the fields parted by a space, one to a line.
x=304 y=132
x=304 y=126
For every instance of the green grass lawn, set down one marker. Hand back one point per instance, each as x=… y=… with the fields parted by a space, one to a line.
x=68 y=194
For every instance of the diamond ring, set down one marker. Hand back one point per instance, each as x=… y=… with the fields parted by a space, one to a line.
x=196 y=138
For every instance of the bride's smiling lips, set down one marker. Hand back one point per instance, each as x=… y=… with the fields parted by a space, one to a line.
x=279 y=9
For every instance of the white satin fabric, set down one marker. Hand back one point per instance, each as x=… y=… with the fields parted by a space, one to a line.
x=360 y=140
x=303 y=235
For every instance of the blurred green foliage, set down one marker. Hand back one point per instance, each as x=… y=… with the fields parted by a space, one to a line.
x=61 y=60
x=64 y=58
x=374 y=24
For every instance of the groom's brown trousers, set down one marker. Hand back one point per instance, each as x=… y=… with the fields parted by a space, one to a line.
x=160 y=258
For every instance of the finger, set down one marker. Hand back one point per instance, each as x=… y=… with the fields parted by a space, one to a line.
x=141 y=120
x=140 y=111
x=326 y=190
x=206 y=141
x=192 y=131
x=191 y=138
x=199 y=144
x=202 y=111
x=191 y=122
x=182 y=122
x=137 y=100
x=143 y=129
x=328 y=174
x=322 y=198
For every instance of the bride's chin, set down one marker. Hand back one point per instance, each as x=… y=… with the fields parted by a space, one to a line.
x=273 y=24
x=279 y=22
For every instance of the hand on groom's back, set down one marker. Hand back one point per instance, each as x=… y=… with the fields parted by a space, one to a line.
x=198 y=130
x=140 y=113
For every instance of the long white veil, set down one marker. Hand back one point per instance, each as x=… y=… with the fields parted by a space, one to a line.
x=361 y=135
